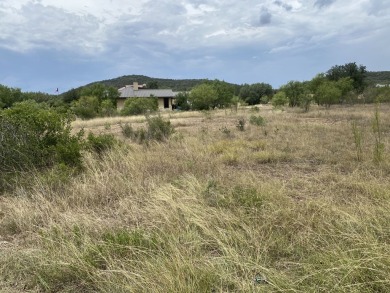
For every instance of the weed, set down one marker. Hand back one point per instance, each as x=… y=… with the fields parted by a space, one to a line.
x=257 y=120
x=247 y=197
x=207 y=114
x=376 y=128
x=357 y=136
x=226 y=131
x=127 y=130
x=241 y=124
x=100 y=143
x=159 y=129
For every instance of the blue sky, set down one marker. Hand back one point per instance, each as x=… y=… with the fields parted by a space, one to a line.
x=45 y=44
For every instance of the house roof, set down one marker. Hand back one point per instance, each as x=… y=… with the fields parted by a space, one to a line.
x=129 y=92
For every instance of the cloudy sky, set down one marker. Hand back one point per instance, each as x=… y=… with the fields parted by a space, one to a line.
x=45 y=44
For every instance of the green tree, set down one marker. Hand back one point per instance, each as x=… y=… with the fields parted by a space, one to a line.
x=225 y=92
x=345 y=85
x=295 y=92
x=328 y=93
x=9 y=96
x=107 y=108
x=100 y=91
x=203 y=97
x=95 y=90
x=111 y=93
x=182 y=101
x=138 y=106
x=356 y=73
x=316 y=81
x=153 y=84
x=70 y=96
x=253 y=93
x=235 y=102
x=86 y=107
x=279 y=99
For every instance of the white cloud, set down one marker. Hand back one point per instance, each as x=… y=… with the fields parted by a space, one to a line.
x=146 y=32
x=89 y=26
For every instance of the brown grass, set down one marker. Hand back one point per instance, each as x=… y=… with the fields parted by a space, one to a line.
x=284 y=207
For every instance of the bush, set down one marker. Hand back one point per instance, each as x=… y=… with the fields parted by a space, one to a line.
x=182 y=101
x=157 y=129
x=203 y=97
x=127 y=130
x=87 y=107
x=36 y=136
x=279 y=99
x=107 y=108
x=241 y=124
x=100 y=143
x=327 y=94
x=138 y=106
x=256 y=120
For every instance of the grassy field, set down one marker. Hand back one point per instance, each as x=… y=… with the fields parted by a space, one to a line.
x=298 y=204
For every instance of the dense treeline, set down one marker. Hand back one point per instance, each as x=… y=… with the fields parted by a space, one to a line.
x=348 y=83
x=378 y=77
x=163 y=83
x=9 y=96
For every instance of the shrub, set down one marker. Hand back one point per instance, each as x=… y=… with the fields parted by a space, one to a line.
x=203 y=97
x=127 y=130
x=182 y=101
x=137 y=106
x=256 y=120
x=226 y=131
x=328 y=93
x=107 y=108
x=35 y=136
x=100 y=143
x=279 y=99
x=241 y=124
x=377 y=131
x=87 y=107
x=157 y=129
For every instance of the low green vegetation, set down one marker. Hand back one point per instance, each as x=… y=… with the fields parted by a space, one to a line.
x=257 y=120
x=157 y=130
x=35 y=137
x=139 y=106
x=279 y=99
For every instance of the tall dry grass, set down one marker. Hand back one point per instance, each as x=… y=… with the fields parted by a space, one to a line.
x=284 y=207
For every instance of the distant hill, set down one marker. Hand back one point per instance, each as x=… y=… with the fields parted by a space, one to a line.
x=163 y=83
x=375 y=77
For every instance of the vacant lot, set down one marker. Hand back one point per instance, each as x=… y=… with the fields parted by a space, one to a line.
x=293 y=202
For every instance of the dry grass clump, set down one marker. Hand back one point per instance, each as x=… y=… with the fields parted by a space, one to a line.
x=281 y=207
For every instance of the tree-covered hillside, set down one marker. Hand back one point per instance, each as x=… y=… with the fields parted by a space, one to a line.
x=378 y=77
x=174 y=84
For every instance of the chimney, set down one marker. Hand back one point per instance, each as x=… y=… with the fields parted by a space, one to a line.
x=135 y=86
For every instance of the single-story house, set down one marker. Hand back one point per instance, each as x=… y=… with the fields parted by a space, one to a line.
x=165 y=96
